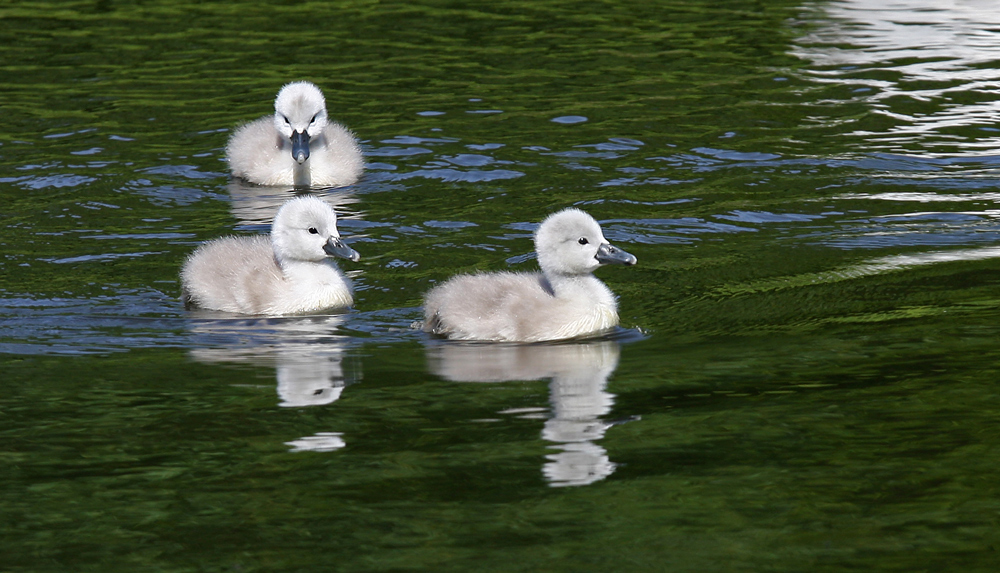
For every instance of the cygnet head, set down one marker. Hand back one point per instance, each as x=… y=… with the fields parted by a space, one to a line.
x=305 y=229
x=300 y=113
x=570 y=242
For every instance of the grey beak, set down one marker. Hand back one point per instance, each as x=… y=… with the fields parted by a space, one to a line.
x=300 y=145
x=336 y=248
x=611 y=255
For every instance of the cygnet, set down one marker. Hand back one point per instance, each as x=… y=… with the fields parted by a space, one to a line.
x=297 y=146
x=563 y=301
x=290 y=272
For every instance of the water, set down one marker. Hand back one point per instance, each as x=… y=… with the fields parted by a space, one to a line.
x=805 y=374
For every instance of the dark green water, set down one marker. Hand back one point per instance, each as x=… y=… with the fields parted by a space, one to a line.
x=806 y=377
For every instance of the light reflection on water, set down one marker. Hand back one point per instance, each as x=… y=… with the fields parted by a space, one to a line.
x=938 y=55
x=958 y=35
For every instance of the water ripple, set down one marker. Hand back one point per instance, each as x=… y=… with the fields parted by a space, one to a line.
x=930 y=71
x=455 y=175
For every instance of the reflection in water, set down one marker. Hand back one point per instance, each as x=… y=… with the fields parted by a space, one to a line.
x=305 y=351
x=944 y=56
x=871 y=267
x=957 y=34
x=256 y=205
x=579 y=374
x=321 y=442
x=903 y=262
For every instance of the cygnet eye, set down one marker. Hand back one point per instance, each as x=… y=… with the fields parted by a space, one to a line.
x=313 y=231
x=313 y=120
x=583 y=241
x=286 y=120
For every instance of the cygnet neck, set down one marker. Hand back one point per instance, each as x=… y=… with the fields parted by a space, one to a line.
x=322 y=270
x=561 y=284
x=300 y=174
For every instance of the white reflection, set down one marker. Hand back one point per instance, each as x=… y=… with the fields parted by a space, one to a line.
x=902 y=262
x=321 y=442
x=305 y=351
x=957 y=33
x=257 y=205
x=579 y=373
x=923 y=51
x=871 y=267
x=915 y=197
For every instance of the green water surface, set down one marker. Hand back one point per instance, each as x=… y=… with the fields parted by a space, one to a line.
x=804 y=376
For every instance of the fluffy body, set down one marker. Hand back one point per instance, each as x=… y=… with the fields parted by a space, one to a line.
x=262 y=151
x=563 y=301
x=519 y=307
x=286 y=273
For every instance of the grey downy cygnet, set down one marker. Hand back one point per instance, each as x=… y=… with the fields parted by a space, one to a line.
x=289 y=272
x=298 y=145
x=563 y=301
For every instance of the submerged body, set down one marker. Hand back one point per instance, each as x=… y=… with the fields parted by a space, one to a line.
x=289 y=272
x=298 y=145
x=563 y=301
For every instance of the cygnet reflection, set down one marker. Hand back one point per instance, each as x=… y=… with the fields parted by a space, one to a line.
x=321 y=442
x=254 y=205
x=305 y=351
x=578 y=372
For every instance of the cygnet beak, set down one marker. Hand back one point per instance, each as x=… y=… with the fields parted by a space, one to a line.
x=610 y=255
x=300 y=145
x=336 y=248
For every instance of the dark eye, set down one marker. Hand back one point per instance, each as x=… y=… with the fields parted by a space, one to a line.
x=286 y=120
x=313 y=120
x=313 y=231
x=583 y=241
